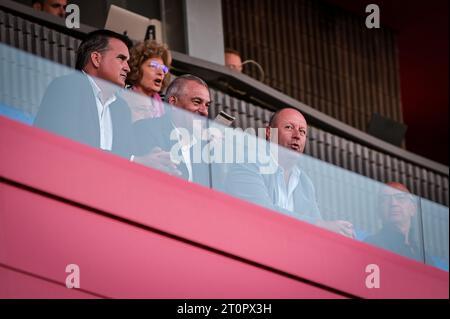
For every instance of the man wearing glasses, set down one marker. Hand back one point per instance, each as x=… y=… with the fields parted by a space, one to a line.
x=397 y=209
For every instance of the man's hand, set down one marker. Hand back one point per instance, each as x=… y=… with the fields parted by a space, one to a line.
x=159 y=160
x=339 y=226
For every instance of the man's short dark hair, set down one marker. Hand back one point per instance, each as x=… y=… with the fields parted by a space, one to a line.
x=175 y=88
x=232 y=51
x=97 y=41
x=274 y=116
x=37 y=1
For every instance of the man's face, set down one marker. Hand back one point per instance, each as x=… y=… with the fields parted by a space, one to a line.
x=113 y=63
x=194 y=98
x=292 y=130
x=233 y=62
x=397 y=206
x=55 y=7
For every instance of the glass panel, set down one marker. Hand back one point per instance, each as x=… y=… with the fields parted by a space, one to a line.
x=400 y=228
x=24 y=79
x=435 y=233
x=242 y=164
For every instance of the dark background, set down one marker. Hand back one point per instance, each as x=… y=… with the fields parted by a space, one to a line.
x=422 y=28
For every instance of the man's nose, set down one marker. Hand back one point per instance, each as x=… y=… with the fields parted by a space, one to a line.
x=295 y=134
x=203 y=110
x=126 y=67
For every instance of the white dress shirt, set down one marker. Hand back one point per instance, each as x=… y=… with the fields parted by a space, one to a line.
x=186 y=149
x=104 y=115
x=285 y=192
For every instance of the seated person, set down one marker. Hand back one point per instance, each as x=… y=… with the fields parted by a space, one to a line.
x=398 y=208
x=84 y=106
x=53 y=7
x=288 y=190
x=149 y=76
x=233 y=60
x=154 y=136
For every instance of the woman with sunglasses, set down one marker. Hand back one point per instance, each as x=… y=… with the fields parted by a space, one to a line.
x=149 y=75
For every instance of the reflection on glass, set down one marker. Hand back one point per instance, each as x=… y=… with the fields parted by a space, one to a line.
x=173 y=143
x=435 y=234
x=87 y=110
x=401 y=222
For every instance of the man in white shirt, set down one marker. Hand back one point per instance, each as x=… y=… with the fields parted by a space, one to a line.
x=289 y=189
x=84 y=106
x=157 y=136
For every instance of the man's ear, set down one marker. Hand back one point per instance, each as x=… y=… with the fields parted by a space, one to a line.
x=37 y=6
x=96 y=59
x=172 y=100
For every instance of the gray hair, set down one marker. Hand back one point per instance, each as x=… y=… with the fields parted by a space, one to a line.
x=176 y=87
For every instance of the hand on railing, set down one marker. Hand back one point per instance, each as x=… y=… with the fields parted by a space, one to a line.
x=339 y=226
x=159 y=160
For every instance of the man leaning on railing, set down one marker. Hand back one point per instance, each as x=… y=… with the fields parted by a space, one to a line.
x=288 y=189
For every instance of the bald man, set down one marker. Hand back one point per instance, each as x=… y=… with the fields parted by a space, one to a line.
x=288 y=190
x=397 y=211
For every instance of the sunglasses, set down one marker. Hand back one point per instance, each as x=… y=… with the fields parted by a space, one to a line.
x=157 y=66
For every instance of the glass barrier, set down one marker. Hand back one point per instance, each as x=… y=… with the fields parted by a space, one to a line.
x=204 y=151
x=435 y=233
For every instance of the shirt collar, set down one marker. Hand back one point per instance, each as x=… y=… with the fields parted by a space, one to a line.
x=98 y=91
x=296 y=171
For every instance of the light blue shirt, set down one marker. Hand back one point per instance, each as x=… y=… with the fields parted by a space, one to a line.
x=296 y=199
